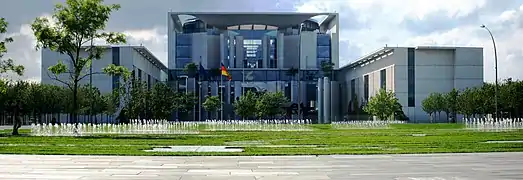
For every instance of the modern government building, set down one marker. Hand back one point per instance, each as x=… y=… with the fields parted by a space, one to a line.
x=259 y=49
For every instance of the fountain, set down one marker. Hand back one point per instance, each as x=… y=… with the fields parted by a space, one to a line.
x=364 y=124
x=488 y=124
x=258 y=125
x=134 y=127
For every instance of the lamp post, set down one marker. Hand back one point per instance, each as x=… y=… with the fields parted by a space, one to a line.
x=496 y=69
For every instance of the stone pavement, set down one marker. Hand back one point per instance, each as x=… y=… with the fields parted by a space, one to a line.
x=486 y=166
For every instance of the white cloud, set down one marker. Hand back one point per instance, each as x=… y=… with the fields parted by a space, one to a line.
x=153 y=39
x=383 y=24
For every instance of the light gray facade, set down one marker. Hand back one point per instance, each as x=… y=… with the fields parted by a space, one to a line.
x=256 y=48
x=412 y=74
x=137 y=59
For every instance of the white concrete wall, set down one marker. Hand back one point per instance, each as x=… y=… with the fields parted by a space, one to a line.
x=199 y=49
x=436 y=70
x=308 y=48
x=129 y=58
x=101 y=81
x=291 y=51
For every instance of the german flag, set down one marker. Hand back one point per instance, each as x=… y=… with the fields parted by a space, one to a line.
x=225 y=72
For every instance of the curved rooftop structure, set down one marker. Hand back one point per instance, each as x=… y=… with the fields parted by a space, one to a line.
x=225 y=20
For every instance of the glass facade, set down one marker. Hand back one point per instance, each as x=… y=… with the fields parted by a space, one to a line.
x=323 y=49
x=411 y=77
x=183 y=50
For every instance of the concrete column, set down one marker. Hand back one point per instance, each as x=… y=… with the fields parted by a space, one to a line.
x=232 y=50
x=319 y=101
x=239 y=52
x=335 y=94
x=237 y=89
x=294 y=92
x=280 y=50
x=227 y=104
x=265 y=51
x=222 y=47
x=327 y=100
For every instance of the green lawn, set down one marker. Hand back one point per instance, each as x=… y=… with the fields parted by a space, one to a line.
x=439 y=138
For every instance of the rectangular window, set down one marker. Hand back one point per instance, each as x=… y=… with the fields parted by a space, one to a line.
x=148 y=81
x=352 y=88
x=139 y=74
x=411 y=58
x=383 y=79
x=366 y=87
x=116 y=61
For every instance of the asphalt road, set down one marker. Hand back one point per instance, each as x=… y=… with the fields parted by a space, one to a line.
x=485 y=166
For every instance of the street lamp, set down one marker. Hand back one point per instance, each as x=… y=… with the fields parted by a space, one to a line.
x=496 y=68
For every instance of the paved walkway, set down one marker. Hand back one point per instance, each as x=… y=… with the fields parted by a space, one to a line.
x=401 y=167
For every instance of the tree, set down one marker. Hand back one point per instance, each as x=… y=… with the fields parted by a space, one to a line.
x=246 y=105
x=382 y=105
x=327 y=67
x=451 y=107
x=466 y=104
x=16 y=99
x=163 y=101
x=7 y=64
x=292 y=72
x=190 y=69
x=212 y=104
x=78 y=22
x=429 y=105
x=271 y=104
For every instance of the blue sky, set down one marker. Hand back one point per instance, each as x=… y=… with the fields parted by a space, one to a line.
x=365 y=25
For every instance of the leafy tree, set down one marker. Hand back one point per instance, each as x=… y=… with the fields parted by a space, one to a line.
x=77 y=23
x=16 y=103
x=382 y=105
x=327 y=67
x=7 y=64
x=271 y=104
x=212 y=104
x=466 y=104
x=186 y=101
x=190 y=69
x=163 y=101
x=451 y=101
x=434 y=103
x=246 y=105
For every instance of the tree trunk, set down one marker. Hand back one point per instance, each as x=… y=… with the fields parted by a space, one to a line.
x=75 y=103
x=17 y=123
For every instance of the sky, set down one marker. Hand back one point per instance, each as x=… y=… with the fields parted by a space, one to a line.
x=365 y=25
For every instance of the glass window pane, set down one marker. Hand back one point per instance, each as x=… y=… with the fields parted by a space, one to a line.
x=324 y=40
x=183 y=39
x=324 y=51
x=183 y=51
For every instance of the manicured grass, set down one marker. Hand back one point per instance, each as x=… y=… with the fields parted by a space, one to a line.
x=439 y=138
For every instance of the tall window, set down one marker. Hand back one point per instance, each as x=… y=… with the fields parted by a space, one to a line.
x=183 y=50
x=273 y=53
x=383 y=79
x=323 y=49
x=116 y=61
x=366 y=87
x=352 y=89
x=253 y=53
x=411 y=77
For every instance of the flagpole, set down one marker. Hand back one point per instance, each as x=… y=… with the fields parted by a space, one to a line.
x=200 y=93
x=221 y=96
